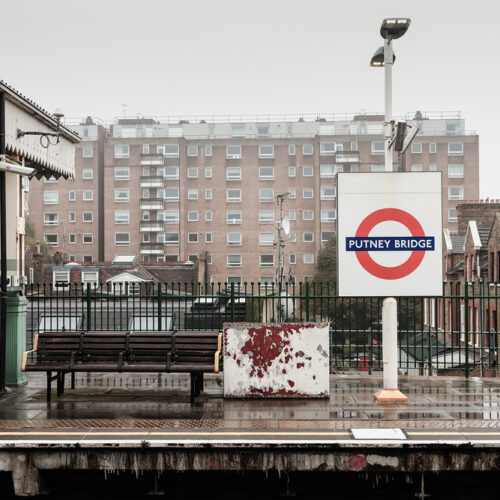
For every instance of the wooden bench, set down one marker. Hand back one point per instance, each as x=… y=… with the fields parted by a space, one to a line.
x=170 y=352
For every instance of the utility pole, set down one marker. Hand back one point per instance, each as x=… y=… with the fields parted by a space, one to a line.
x=283 y=225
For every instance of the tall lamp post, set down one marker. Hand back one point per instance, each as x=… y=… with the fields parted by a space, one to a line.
x=391 y=29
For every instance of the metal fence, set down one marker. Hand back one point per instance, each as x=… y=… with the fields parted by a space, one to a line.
x=456 y=333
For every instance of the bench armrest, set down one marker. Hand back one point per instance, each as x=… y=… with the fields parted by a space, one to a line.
x=218 y=352
x=25 y=354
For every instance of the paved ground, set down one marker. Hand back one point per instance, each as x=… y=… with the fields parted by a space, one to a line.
x=133 y=408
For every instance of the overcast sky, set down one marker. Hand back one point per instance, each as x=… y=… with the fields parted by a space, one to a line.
x=187 y=57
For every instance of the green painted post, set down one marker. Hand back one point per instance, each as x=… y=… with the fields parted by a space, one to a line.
x=159 y=307
x=307 y=300
x=466 y=328
x=15 y=339
x=89 y=309
x=232 y=302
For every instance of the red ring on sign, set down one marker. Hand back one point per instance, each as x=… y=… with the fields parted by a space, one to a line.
x=384 y=272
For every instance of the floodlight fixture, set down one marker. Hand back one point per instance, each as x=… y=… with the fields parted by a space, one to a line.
x=377 y=59
x=394 y=27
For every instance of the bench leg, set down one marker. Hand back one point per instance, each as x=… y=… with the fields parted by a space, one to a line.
x=199 y=383
x=58 y=384
x=193 y=387
x=72 y=380
x=49 y=386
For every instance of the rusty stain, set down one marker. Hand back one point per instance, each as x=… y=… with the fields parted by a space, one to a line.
x=300 y=365
x=291 y=383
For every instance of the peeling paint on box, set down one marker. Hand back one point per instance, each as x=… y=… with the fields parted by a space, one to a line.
x=286 y=360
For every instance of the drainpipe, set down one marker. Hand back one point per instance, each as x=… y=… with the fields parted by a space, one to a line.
x=3 y=251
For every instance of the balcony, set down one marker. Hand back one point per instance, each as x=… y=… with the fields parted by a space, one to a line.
x=347 y=157
x=152 y=181
x=152 y=248
x=152 y=203
x=151 y=159
x=152 y=226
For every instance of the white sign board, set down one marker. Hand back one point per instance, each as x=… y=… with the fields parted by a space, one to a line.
x=389 y=234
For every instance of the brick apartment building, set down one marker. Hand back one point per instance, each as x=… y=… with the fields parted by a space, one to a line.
x=173 y=190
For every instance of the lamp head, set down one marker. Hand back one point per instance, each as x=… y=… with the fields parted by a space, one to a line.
x=394 y=27
x=58 y=114
x=377 y=59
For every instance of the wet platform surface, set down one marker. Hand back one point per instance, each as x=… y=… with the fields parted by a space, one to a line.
x=133 y=408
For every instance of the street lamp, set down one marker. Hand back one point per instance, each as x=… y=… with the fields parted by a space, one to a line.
x=391 y=29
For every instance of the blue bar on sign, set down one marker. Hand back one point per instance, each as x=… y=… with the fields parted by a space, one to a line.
x=389 y=243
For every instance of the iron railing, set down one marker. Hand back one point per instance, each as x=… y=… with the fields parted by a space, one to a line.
x=456 y=333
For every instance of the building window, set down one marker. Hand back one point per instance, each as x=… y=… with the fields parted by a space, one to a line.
x=208 y=216
x=192 y=151
x=51 y=197
x=192 y=237
x=145 y=215
x=266 y=151
x=432 y=147
x=238 y=131
x=292 y=237
x=292 y=193
x=233 y=216
x=122 y=150
x=326 y=235
x=234 y=279
x=171 y=216
x=192 y=194
x=378 y=168
x=122 y=216
x=171 y=194
x=263 y=131
x=172 y=173
x=266 y=217
x=432 y=167
x=327 y=171
x=292 y=171
x=234 y=261
x=266 y=239
x=456 y=193
x=60 y=279
x=328 y=192
x=455 y=171
x=378 y=147
x=328 y=215
x=87 y=217
x=308 y=237
x=308 y=215
x=122 y=195
x=171 y=150
x=87 y=259
x=266 y=195
x=88 y=195
x=266 y=173
x=354 y=168
x=51 y=239
x=327 y=148
x=208 y=238
x=72 y=195
x=452 y=215
x=192 y=216
x=50 y=219
x=266 y=260
x=87 y=152
x=208 y=194
x=91 y=277
x=307 y=193
x=145 y=193
x=416 y=147
x=122 y=173
x=192 y=173
x=171 y=238
x=292 y=215
x=307 y=171
x=208 y=172
x=308 y=258
x=72 y=217
x=307 y=149
x=266 y=282
x=455 y=148
x=292 y=259
x=72 y=238
x=233 y=173
x=233 y=152
x=416 y=168
x=145 y=149
x=122 y=239
x=87 y=174
x=291 y=149
x=208 y=150
x=354 y=145
x=234 y=239
x=233 y=195
x=88 y=238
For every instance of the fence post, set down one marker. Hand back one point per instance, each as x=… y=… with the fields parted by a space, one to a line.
x=159 y=307
x=232 y=302
x=466 y=328
x=307 y=300
x=89 y=308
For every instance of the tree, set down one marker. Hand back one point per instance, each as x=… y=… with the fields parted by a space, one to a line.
x=30 y=241
x=326 y=267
